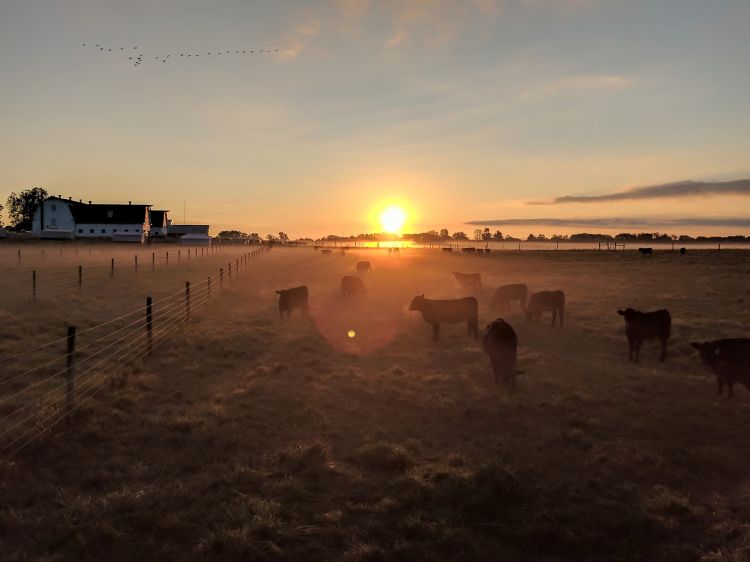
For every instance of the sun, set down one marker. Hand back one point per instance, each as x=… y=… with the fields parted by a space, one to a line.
x=392 y=219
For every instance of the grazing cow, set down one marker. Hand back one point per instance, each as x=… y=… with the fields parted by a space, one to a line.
x=352 y=287
x=469 y=281
x=553 y=301
x=290 y=299
x=506 y=293
x=452 y=311
x=363 y=266
x=683 y=251
x=395 y=250
x=729 y=359
x=469 y=250
x=641 y=326
x=500 y=344
x=447 y=249
x=487 y=250
x=646 y=251
x=326 y=251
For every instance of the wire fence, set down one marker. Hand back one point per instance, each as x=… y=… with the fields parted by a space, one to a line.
x=38 y=393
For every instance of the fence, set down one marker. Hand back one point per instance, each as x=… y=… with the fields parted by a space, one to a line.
x=35 y=398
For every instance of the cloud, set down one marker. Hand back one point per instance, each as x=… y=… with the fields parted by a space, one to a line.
x=620 y=222
x=687 y=188
x=397 y=39
x=582 y=84
x=308 y=28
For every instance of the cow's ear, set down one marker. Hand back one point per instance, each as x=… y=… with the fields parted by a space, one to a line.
x=278 y=292
x=695 y=344
x=621 y=312
x=422 y=295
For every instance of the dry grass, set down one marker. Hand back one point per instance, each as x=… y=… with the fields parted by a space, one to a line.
x=244 y=440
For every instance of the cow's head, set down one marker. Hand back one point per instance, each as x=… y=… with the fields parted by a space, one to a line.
x=629 y=314
x=417 y=303
x=709 y=352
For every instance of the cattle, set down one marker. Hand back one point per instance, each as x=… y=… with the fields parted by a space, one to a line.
x=646 y=251
x=469 y=281
x=452 y=311
x=326 y=251
x=290 y=299
x=554 y=301
x=641 y=326
x=447 y=249
x=469 y=250
x=506 y=293
x=487 y=250
x=363 y=266
x=395 y=250
x=500 y=344
x=729 y=359
x=683 y=251
x=352 y=287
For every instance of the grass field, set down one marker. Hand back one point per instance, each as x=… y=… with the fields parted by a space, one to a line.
x=243 y=439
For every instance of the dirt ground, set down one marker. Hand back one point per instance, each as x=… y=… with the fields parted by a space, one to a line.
x=244 y=439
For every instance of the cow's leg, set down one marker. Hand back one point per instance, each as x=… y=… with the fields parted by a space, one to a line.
x=281 y=316
x=663 y=350
x=435 y=330
x=554 y=316
x=638 y=344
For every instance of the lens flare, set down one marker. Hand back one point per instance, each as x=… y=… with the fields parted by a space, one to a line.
x=392 y=219
x=351 y=333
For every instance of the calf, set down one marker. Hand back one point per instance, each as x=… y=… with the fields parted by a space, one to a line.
x=469 y=281
x=469 y=250
x=646 y=251
x=363 y=266
x=500 y=344
x=506 y=293
x=447 y=249
x=290 y=299
x=553 y=301
x=729 y=359
x=452 y=311
x=352 y=287
x=641 y=326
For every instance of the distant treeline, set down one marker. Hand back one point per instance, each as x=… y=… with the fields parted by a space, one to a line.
x=434 y=236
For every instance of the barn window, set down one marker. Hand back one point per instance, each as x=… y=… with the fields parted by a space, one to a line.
x=80 y=231
x=104 y=231
x=137 y=229
x=126 y=230
x=53 y=222
x=91 y=230
x=114 y=230
x=54 y=207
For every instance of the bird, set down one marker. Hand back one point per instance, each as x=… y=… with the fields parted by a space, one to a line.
x=84 y=44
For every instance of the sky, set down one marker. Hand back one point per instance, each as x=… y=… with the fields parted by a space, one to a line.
x=466 y=113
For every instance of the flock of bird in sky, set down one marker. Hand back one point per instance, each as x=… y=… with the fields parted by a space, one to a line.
x=135 y=56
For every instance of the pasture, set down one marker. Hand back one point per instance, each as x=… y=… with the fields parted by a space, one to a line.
x=244 y=439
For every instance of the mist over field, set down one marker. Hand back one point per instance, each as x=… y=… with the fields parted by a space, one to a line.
x=244 y=438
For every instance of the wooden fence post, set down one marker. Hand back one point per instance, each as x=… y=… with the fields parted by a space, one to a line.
x=149 y=325
x=153 y=261
x=19 y=256
x=188 y=254
x=221 y=278
x=136 y=263
x=187 y=300
x=209 y=286
x=80 y=277
x=112 y=269
x=179 y=255
x=167 y=258
x=230 y=269
x=33 y=284
x=70 y=371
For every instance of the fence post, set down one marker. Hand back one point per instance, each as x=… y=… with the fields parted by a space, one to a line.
x=33 y=284
x=221 y=278
x=230 y=269
x=136 y=263
x=80 y=277
x=167 y=258
x=19 y=256
x=179 y=255
x=188 y=254
x=70 y=371
x=112 y=269
x=153 y=261
x=187 y=300
x=149 y=326
x=209 y=286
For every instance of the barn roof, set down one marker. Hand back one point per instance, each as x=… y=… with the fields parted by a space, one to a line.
x=158 y=218
x=98 y=213
x=177 y=229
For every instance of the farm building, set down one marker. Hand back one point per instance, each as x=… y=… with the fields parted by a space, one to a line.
x=190 y=234
x=158 y=222
x=59 y=218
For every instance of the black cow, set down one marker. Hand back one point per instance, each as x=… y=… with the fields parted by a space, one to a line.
x=352 y=287
x=506 y=293
x=501 y=343
x=290 y=299
x=553 y=301
x=729 y=359
x=363 y=266
x=641 y=326
x=452 y=311
x=447 y=249
x=646 y=251
x=469 y=250
x=683 y=251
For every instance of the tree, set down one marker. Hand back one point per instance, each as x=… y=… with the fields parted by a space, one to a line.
x=444 y=233
x=531 y=238
x=1 y=217
x=232 y=234
x=498 y=235
x=21 y=206
x=283 y=237
x=460 y=235
x=486 y=235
